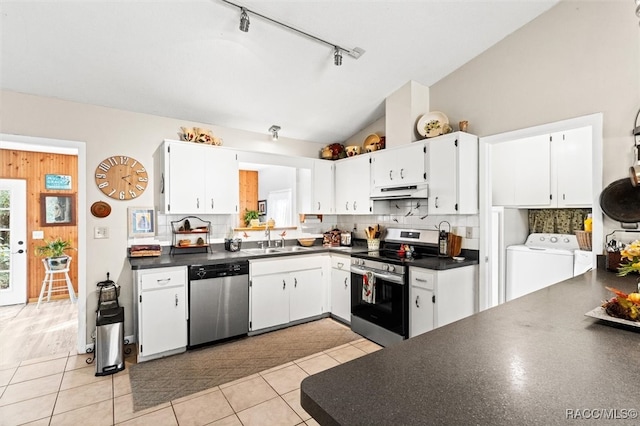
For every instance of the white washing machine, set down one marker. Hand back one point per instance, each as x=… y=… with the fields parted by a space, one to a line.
x=583 y=262
x=543 y=260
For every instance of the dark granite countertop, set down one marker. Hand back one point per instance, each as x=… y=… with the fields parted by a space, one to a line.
x=219 y=255
x=536 y=360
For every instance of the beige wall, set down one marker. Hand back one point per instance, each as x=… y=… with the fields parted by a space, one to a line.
x=581 y=57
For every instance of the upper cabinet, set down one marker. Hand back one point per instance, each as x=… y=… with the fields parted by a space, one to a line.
x=548 y=170
x=572 y=163
x=194 y=178
x=453 y=174
x=322 y=188
x=402 y=166
x=352 y=187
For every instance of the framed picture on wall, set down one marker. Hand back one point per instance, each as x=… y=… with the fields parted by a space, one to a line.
x=58 y=209
x=141 y=222
x=262 y=207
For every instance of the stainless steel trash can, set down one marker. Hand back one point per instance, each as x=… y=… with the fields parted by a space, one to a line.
x=109 y=351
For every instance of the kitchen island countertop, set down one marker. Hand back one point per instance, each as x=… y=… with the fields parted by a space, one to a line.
x=536 y=360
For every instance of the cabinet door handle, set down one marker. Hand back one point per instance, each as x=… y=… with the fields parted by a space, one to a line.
x=390 y=176
x=401 y=173
x=295 y=282
x=197 y=203
x=417 y=301
x=346 y=205
x=212 y=204
x=436 y=202
x=355 y=206
x=345 y=282
x=284 y=284
x=318 y=205
x=176 y=300
x=340 y=265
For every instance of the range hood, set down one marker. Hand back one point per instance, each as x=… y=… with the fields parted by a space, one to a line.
x=400 y=192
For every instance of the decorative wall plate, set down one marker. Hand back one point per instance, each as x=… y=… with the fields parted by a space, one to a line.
x=100 y=209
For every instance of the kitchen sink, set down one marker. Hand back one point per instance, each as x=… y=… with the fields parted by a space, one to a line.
x=271 y=250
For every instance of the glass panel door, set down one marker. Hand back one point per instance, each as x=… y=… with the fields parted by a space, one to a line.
x=13 y=249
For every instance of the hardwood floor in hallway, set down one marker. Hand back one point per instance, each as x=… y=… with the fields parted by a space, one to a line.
x=30 y=333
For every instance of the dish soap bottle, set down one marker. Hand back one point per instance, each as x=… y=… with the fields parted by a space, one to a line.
x=588 y=223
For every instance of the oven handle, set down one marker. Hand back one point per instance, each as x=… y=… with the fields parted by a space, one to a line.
x=396 y=279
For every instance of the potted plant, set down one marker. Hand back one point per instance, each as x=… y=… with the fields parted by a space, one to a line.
x=54 y=251
x=251 y=217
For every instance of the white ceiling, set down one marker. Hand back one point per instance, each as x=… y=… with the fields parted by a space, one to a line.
x=188 y=59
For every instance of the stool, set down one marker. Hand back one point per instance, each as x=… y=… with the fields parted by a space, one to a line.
x=49 y=280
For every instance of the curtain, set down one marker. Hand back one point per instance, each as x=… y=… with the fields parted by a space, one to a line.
x=557 y=221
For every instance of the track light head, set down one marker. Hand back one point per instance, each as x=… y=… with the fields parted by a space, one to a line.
x=274 y=132
x=244 y=21
x=337 y=56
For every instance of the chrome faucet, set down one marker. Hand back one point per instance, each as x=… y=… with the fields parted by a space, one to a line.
x=267 y=233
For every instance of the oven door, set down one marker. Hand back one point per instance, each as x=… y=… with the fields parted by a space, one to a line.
x=389 y=308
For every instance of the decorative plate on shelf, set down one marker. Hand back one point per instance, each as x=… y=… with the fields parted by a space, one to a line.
x=432 y=124
x=601 y=314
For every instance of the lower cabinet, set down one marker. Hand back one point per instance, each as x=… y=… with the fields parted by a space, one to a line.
x=285 y=290
x=441 y=297
x=160 y=311
x=341 y=287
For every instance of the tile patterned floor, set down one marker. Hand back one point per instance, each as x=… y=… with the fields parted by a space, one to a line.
x=63 y=390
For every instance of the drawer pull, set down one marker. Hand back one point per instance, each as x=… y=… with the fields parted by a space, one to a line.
x=340 y=265
x=422 y=280
x=163 y=281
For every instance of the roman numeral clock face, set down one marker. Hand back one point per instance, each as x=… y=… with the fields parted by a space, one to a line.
x=121 y=178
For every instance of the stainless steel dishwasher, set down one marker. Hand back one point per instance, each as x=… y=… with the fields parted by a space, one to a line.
x=218 y=302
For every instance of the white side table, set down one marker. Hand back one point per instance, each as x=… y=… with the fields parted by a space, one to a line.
x=49 y=280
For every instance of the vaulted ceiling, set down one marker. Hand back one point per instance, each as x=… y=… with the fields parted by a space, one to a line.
x=189 y=60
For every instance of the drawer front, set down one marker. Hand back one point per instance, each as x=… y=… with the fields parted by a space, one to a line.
x=422 y=278
x=164 y=277
x=340 y=262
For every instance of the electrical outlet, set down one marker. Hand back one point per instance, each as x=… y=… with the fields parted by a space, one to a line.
x=469 y=233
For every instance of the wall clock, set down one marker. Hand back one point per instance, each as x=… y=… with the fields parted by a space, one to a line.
x=121 y=177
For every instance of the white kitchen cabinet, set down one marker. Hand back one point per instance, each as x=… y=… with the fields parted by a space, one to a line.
x=521 y=172
x=160 y=311
x=323 y=200
x=437 y=298
x=196 y=178
x=548 y=170
x=572 y=164
x=401 y=166
x=269 y=301
x=341 y=287
x=453 y=174
x=353 y=183
x=284 y=290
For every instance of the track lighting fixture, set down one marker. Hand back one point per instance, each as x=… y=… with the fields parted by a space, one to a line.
x=274 y=132
x=337 y=56
x=355 y=53
x=244 y=20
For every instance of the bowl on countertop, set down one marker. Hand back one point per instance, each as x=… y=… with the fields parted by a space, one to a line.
x=306 y=242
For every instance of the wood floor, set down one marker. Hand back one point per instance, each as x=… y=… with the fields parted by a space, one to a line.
x=30 y=333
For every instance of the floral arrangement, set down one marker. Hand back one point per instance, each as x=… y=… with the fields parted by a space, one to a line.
x=632 y=254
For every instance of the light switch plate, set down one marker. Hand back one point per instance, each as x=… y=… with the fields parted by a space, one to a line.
x=469 y=233
x=100 y=232
x=37 y=235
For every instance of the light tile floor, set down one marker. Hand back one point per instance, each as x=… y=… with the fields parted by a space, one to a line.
x=63 y=390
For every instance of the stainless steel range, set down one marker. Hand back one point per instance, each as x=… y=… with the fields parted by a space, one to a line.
x=380 y=285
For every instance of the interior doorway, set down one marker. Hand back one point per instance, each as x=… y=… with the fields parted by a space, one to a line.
x=77 y=149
